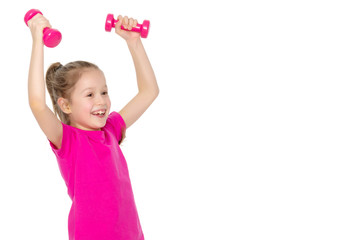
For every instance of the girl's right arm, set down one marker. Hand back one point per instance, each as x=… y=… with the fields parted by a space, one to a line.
x=47 y=120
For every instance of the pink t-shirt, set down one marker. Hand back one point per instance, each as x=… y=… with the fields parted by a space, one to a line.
x=98 y=183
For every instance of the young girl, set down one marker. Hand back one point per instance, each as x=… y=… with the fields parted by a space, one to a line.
x=86 y=140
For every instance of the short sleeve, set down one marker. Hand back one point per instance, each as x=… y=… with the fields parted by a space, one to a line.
x=115 y=124
x=66 y=142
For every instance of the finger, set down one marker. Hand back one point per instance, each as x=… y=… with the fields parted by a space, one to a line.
x=120 y=19
x=131 y=23
x=119 y=22
x=47 y=24
x=38 y=17
x=44 y=23
x=39 y=21
x=126 y=22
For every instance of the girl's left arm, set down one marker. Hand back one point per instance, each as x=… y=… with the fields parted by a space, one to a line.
x=146 y=81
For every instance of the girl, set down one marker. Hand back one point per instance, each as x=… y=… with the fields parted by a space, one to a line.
x=86 y=138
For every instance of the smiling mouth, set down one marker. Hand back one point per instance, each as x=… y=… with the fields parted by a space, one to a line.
x=99 y=113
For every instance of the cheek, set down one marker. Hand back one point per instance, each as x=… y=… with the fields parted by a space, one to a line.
x=87 y=106
x=83 y=105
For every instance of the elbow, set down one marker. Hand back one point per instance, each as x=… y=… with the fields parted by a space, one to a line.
x=151 y=93
x=157 y=91
x=155 y=94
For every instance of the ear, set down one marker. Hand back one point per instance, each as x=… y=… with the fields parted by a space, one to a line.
x=64 y=105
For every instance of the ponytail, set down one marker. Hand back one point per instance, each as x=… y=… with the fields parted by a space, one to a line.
x=55 y=89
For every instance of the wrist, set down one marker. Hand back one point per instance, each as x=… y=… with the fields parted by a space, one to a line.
x=133 y=43
x=37 y=41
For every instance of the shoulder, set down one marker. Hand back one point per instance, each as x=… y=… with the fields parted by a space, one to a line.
x=115 y=118
x=115 y=124
x=69 y=136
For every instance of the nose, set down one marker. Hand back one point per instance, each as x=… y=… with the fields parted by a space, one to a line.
x=100 y=100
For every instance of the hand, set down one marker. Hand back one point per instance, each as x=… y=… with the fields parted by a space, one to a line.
x=127 y=23
x=37 y=25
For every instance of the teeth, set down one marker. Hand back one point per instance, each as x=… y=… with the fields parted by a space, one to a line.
x=99 y=113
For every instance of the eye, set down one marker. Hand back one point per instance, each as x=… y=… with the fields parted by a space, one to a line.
x=105 y=93
x=89 y=95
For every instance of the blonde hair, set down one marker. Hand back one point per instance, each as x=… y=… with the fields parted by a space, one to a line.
x=60 y=82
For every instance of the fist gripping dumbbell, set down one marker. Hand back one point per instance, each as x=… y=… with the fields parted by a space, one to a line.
x=51 y=37
x=143 y=28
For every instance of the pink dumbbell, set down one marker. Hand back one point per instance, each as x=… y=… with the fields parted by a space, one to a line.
x=52 y=37
x=143 y=28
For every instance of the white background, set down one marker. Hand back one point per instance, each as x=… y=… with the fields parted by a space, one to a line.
x=255 y=133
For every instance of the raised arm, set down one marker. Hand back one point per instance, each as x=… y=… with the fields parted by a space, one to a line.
x=146 y=80
x=46 y=119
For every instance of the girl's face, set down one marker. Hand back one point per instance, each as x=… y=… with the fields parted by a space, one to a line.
x=90 y=102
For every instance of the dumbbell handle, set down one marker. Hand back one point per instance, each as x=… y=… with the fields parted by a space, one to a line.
x=134 y=29
x=143 y=28
x=51 y=37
